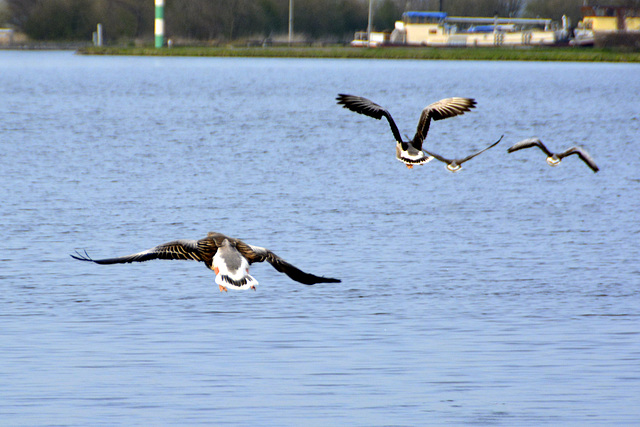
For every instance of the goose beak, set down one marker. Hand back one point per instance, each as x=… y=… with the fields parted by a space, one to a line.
x=409 y=166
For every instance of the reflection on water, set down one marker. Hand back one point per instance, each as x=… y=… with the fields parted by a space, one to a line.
x=503 y=294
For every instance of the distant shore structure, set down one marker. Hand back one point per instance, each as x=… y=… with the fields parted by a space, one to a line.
x=159 y=23
x=6 y=36
x=437 y=29
x=97 y=36
x=602 y=25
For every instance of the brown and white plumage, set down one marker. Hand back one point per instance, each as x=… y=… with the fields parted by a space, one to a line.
x=410 y=152
x=206 y=249
x=454 y=165
x=554 y=159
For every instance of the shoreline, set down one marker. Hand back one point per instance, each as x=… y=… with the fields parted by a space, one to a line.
x=565 y=54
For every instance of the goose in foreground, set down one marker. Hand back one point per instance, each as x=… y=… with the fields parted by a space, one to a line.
x=454 y=165
x=229 y=258
x=410 y=151
x=554 y=159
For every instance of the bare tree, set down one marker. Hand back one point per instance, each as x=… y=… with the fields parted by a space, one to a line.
x=20 y=10
x=484 y=7
x=554 y=9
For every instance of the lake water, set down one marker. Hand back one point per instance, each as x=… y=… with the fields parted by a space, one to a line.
x=504 y=294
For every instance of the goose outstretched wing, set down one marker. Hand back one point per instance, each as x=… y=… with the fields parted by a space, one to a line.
x=369 y=108
x=461 y=161
x=471 y=156
x=259 y=254
x=443 y=109
x=196 y=250
x=439 y=157
x=582 y=154
x=530 y=142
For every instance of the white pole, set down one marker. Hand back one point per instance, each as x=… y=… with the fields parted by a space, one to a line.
x=369 y=24
x=99 y=35
x=290 y=21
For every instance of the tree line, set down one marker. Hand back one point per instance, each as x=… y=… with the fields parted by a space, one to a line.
x=228 y=20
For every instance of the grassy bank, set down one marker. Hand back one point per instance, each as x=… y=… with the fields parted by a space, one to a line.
x=484 y=54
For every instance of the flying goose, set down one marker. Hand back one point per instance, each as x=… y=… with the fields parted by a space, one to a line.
x=554 y=159
x=454 y=165
x=410 y=151
x=229 y=258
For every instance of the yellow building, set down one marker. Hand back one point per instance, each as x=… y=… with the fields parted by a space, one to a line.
x=632 y=23
x=607 y=19
x=600 y=23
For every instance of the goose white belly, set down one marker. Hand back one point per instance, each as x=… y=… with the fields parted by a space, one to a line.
x=232 y=270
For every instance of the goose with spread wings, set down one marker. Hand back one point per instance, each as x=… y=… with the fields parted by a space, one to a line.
x=454 y=165
x=554 y=159
x=229 y=258
x=409 y=152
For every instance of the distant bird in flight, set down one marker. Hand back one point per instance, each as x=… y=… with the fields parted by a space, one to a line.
x=229 y=258
x=554 y=159
x=410 y=151
x=454 y=165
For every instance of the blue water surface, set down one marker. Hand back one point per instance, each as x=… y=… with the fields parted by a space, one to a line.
x=504 y=294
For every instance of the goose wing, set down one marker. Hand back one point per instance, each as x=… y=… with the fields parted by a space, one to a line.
x=438 y=157
x=258 y=254
x=368 y=108
x=197 y=250
x=527 y=143
x=443 y=109
x=461 y=161
x=582 y=154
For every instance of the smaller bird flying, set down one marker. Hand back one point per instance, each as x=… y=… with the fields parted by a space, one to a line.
x=554 y=159
x=409 y=152
x=229 y=258
x=454 y=165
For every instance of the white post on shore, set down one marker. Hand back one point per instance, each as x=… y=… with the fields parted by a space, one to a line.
x=99 y=35
x=290 y=21
x=159 y=23
x=369 y=23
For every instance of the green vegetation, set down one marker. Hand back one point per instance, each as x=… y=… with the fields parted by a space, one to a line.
x=484 y=54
